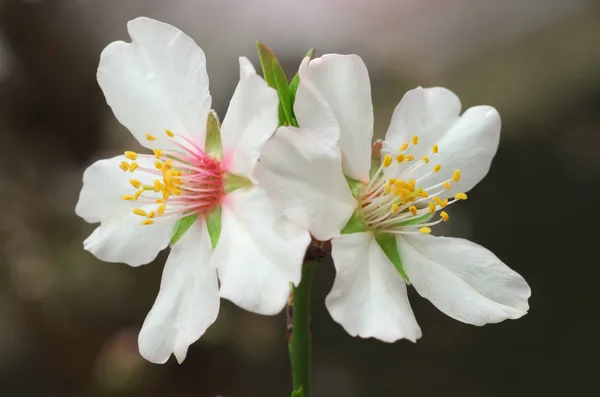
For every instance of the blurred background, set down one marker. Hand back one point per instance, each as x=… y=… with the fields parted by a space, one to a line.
x=69 y=323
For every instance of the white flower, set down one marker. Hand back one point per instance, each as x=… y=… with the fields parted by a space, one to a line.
x=432 y=155
x=157 y=87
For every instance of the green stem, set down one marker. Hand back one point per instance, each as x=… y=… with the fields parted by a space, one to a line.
x=299 y=344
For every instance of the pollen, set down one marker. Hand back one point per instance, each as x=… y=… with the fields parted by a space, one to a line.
x=423 y=194
x=158 y=153
x=127 y=197
x=158 y=165
x=400 y=158
x=147 y=222
x=440 y=202
x=150 y=137
x=157 y=185
x=456 y=176
x=124 y=165
x=431 y=207
x=404 y=146
x=137 y=194
x=415 y=140
x=161 y=209
x=413 y=210
x=426 y=159
x=425 y=230
x=169 y=134
x=437 y=168
x=135 y=183
x=133 y=166
x=139 y=211
x=435 y=149
x=387 y=160
x=131 y=155
x=460 y=196
x=445 y=216
x=447 y=186
x=410 y=157
x=150 y=214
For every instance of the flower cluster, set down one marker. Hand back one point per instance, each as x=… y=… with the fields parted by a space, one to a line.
x=238 y=202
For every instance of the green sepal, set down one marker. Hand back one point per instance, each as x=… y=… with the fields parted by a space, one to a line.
x=267 y=61
x=354 y=185
x=213 y=223
x=388 y=244
x=298 y=393
x=213 y=147
x=296 y=80
x=416 y=221
x=356 y=224
x=283 y=89
x=234 y=182
x=181 y=226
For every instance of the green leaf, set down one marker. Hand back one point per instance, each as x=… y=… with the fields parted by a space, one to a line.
x=296 y=79
x=416 y=221
x=267 y=59
x=354 y=185
x=213 y=136
x=356 y=224
x=298 y=393
x=182 y=226
x=234 y=182
x=213 y=222
x=388 y=244
x=283 y=89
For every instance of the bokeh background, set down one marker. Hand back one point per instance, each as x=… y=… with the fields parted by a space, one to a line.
x=69 y=323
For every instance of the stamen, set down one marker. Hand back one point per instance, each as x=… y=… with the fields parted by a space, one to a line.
x=169 y=134
x=124 y=165
x=435 y=148
x=133 y=166
x=387 y=160
x=131 y=155
x=404 y=146
x=139 y=211
x=445 y=216
x=426 y=159
x=456 y=176
x=158 y=153
x=413 y=210
x=150 y=137
x=415 y=140
x=127 y=197
x=447 y=186
x=135 y=183
x=425 y=230
x=147 y=222
x=400 y=158
x=437 y=168
x=460 y=196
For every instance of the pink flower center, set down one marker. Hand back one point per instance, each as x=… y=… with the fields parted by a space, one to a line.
x=185 y=182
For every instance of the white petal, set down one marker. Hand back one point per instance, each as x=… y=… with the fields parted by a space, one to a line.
x=302 y=174
x=120 y=236
x=156 y=82
x=463 y=279
x=251 y=119
x=246 y=68
x=334 y=98
x=259 y=252
x=369 y=297
x=188 y=300
x=425 y=112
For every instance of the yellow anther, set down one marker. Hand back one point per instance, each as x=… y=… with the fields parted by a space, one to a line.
x=127 y=197
x=137 y=194
x=157 y=185
x=169 y=134
x=131 y=155
x=392 y=181
x=387 y=160
x=135 y=183
x=395 y=207
x=139 y=211
x=158 y=153
x=133 y=166
x=158 y=165
x=445 y=216
x=425 y=230
x=147 y=222
x=124 y=165
x=415 y=140
x=413 y=209
x=150 y=214
x=456 y=176
x=460 y=196
x=447 y=186
x=160 y=201
x=426 y=159
x=404 y=146
x=410 y=157
x=437 y=168
x=161 y=209
x=411 y=184
x=423 y=194
x=150 y=137
x=400 y=158
x=435 y=149
x=440 y=202
x=431 y=207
